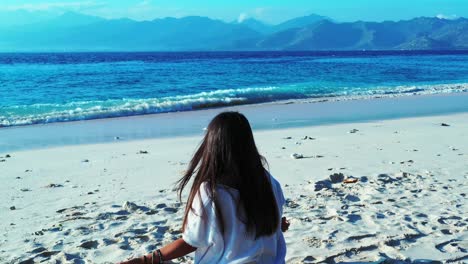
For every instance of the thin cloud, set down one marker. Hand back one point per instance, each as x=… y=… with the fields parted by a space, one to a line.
x=242 y=17
x=449 y=17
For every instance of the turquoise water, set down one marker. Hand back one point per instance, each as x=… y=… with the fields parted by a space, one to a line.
x=47 y=88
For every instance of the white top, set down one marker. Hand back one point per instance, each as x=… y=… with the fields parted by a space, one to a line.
x=235 y=246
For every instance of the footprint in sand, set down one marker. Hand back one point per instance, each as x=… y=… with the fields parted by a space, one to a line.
x=353 y=218
x=93 y=244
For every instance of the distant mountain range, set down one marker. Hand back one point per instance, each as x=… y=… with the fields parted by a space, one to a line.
x=77 y=32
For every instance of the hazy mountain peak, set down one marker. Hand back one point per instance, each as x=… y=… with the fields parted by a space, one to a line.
x=255 y=24
x=73 y=31
x=73 y=19
x=301 y=21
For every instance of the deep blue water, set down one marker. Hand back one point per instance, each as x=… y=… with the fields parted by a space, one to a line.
x=55 y=87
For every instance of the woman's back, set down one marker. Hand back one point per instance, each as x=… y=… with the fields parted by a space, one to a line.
x=233 y=244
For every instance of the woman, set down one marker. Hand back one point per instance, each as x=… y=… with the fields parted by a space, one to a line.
x=234 y=206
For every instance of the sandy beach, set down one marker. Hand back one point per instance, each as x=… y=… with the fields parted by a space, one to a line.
x=356 y=192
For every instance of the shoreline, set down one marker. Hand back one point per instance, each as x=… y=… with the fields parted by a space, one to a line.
x=116 y=128
x=102 y=203
x=410 y=91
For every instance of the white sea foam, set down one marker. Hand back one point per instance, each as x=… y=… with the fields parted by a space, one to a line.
x=84 y=110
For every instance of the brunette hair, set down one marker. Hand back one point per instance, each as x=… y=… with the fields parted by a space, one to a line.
x=228 y=155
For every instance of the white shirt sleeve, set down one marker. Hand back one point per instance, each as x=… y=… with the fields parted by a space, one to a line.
x=201 y=221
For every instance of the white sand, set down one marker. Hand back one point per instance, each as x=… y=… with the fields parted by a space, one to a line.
x=69 y=202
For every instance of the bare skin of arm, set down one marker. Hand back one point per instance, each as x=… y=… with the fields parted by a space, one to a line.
x=284 y=224
x=174 y=250
x=180 y=248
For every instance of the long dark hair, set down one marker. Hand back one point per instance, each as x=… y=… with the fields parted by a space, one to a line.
x=228 y=155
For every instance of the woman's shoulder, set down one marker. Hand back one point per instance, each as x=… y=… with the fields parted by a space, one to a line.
x=273 y=180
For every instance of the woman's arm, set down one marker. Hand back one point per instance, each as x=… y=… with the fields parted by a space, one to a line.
x=176 y=249
x=284 y=224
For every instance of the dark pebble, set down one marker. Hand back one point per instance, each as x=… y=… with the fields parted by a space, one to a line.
x=336 y=177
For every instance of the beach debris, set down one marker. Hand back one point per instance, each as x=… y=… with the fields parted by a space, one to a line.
x=2 y=160
x=308 y=138
x=297 y=156
x=352 y=131
x=85 y=160
x=287 y=138
x=53 y=185
x=337 y=177
x=291 y=204
x=28 y=171
x=7 y=156
x=25 y=190
x=12 y=208
x=18 y=178
x=444 y=125
x=360 y=237
x=142 y=152
x=350 y=180
x=129 y=206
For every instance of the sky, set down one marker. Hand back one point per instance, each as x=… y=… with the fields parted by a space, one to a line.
x=270 y=11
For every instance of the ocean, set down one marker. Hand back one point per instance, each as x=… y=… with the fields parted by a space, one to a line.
x=39 y=88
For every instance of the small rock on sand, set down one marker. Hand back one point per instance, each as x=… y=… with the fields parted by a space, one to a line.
x=143 y=152
x=337 y=177
x=85 y=160
x=444 y=125
x=12 y=208
x=129 y=206
x=297 y=156
x=352 y=131
x=7 y=156
x=53 y=185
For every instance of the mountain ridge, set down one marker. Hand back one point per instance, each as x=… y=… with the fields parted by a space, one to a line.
x=77 y=32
